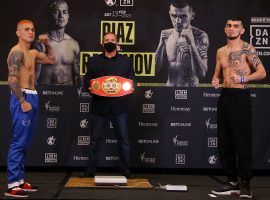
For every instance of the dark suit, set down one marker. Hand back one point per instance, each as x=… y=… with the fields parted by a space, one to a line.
x=109 y=108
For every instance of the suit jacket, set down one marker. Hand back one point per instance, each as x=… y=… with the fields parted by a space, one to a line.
x=100 y=65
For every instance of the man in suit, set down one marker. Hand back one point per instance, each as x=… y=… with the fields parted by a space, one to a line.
x=105 y=108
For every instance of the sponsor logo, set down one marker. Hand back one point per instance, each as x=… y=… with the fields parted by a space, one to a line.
x=50 y=157
x=148 y=108
x=111 y=158
x=84 y=123
x=147 y=160
x=180 y=109
x=180 y=159
x=53 y=93
x=110 y=124
x=26 y=122
x=179 y=143
x=111 y=141
x=126 y=2
x=142 y=141
x=147 y=124
x=180 y=94
x=179 y=124
x=212 y=160
x=83 y=140
x=209 y=109
x=83 y=94
x=84 y=107
x=210 y=125
x=79 y=158
x=50 y=108
x=212 y=142
x=260 y=36
x=148 y=94
x=110 y=2
x=51 y=123
x=51 y=140
x=210 y=95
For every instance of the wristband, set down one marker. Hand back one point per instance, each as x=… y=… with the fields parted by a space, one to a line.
x=242 y=80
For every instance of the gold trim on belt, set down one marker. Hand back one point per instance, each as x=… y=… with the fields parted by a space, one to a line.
x=111 y=86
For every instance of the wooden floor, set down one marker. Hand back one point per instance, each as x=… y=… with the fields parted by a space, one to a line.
x=52 y=186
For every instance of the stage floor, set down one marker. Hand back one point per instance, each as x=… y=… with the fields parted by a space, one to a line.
x=52 y=186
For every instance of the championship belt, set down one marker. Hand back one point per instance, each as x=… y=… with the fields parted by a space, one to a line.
x=111 y=86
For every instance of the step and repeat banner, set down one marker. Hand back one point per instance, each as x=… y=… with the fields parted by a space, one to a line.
x=172 y=123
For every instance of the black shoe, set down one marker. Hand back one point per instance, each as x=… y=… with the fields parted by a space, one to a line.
x=230 y=188
x=245 y=190
x=87 y=175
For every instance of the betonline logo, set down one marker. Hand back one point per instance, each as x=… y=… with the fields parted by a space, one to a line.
x=50 y=157
x=111 y=158
x=53 y=93
x=180 y=159
x=84 y=123
x=179 y=143
x=184 y=124
x=148 y=108
x=83 y=140
x=148 y=94
x=147 y=160
x=209 y=109
x=51 y=108
x=180 y=94
x=51 y=140
x=143 y=141
x=209 y=125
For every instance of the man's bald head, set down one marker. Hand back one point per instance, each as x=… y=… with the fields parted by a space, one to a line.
x=23 y=22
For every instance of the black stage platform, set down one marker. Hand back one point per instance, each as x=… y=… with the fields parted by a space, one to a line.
x=51 y=186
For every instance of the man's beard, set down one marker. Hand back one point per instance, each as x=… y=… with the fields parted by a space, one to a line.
x=232 y=37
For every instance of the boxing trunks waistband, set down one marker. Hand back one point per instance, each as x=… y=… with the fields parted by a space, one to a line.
x=111 y=86
x=27 y=91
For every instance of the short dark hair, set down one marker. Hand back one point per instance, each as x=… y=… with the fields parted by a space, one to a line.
x=181 y=3
x=236 y=18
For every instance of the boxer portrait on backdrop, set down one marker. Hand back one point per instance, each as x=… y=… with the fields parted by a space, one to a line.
x=66 y=70
x=183 y=48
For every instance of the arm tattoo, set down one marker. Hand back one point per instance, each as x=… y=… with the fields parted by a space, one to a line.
x=15 y=62
x=253 y=57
